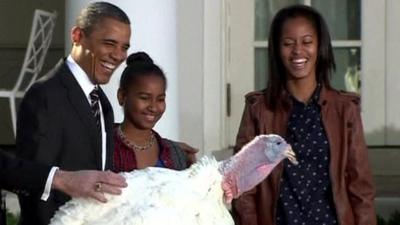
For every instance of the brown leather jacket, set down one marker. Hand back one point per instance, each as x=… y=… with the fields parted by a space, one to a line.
x=353 y=189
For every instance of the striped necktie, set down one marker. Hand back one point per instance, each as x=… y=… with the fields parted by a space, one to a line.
x=94 y=104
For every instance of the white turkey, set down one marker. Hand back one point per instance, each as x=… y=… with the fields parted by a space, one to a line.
x=194 y=196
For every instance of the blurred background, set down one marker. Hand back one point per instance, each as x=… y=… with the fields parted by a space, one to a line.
x=215 y=51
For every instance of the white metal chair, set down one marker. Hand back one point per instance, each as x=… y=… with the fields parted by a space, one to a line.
x=39 y=42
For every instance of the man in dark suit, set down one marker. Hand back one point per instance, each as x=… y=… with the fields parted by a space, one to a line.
x=24 y=177
x=66 y=120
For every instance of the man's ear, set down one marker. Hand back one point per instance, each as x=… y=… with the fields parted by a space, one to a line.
x=121 y=96
x=76 y=34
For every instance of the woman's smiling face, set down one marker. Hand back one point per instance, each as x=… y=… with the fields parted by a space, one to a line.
x=299 y=48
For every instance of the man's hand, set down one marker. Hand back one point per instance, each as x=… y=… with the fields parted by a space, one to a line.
x=190 y=152
x=88 y=183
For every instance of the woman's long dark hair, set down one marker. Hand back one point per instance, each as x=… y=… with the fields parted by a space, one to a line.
x=325 y=64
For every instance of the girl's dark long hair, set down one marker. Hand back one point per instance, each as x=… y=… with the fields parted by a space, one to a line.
x=325 y=64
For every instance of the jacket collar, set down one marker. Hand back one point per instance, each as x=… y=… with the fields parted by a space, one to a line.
x=319 y=96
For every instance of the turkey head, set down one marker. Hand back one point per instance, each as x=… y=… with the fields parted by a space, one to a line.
x=253 y=163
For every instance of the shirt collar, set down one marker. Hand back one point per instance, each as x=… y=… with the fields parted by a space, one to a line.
x=80 y=75
x=314 y=97
x=317 y=92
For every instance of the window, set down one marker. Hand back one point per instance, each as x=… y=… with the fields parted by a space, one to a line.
x=343 y=19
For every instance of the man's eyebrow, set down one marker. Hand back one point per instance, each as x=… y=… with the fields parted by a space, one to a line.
x=109 y=40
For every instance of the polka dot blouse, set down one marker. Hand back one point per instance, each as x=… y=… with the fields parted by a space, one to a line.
x=305 y=191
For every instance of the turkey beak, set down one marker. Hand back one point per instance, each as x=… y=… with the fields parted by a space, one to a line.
x=289 y=153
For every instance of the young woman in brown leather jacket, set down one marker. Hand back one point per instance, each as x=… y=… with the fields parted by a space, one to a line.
x=332 y=184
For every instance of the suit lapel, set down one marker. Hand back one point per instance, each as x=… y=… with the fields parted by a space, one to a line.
x=81 y=106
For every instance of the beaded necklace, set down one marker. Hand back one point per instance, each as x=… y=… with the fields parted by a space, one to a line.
x=134 y=146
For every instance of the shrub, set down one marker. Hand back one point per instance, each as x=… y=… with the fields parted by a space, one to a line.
x=11 y=218
x=394 y=219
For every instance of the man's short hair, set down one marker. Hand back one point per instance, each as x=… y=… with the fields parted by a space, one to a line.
x=95 y=12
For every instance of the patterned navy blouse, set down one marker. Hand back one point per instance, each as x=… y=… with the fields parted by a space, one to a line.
x=305 y=192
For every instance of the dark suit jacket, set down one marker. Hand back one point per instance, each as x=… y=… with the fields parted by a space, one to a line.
x=22 y=177
x=56 y=126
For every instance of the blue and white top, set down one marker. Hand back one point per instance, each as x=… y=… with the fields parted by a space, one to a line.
x=306 y=194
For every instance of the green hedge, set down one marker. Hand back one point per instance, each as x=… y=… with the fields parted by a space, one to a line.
x=394 y=219
x=11 y=218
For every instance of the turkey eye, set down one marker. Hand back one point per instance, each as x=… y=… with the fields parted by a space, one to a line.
x=278 y=143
